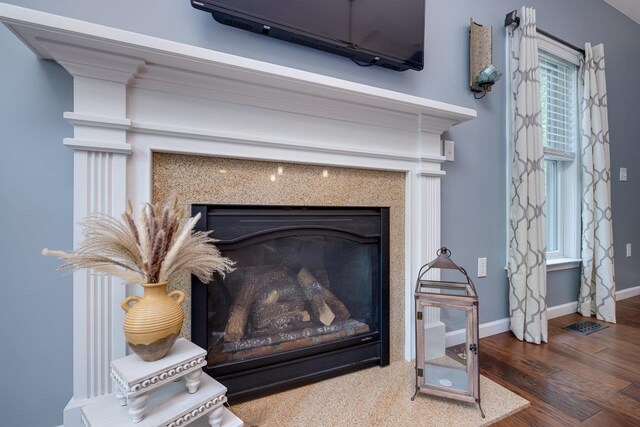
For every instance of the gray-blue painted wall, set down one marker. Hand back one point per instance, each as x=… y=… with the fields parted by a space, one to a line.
x=36 y=201
x=36 y=170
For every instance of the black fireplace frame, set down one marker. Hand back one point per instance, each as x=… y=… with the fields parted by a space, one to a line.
x=282 y=371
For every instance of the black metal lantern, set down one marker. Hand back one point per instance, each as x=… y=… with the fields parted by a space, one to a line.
x=447 y=334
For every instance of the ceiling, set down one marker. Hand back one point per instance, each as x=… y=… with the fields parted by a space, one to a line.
x=631 y=8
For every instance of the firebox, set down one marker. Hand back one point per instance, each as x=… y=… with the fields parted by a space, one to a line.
x=309 y=298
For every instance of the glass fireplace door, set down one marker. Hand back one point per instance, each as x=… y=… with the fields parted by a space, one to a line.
x=309 y=298
x=299 y=289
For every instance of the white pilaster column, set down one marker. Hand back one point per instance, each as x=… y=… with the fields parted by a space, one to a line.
x=430 y=235
x=98 y=338
x=434 y=329
x=424 y=183
x=99 y=186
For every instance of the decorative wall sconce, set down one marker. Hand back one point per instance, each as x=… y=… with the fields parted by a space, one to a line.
x=482 y=73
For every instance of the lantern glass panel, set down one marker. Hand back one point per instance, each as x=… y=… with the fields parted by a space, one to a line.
x=446 y=365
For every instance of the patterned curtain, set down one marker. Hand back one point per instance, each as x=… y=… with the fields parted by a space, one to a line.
x=527 y=268
x=597 y=287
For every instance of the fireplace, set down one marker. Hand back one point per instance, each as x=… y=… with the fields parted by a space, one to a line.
x=136 y=97
x=309 y=298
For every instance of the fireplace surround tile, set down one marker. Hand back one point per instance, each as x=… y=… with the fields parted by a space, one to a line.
x=203 y=179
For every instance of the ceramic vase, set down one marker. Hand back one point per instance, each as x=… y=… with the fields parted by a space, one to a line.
x=153 y=323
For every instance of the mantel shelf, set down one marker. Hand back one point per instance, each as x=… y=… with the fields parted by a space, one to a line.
x=123 y=55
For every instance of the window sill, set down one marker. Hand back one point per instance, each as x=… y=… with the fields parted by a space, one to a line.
x=557 y=264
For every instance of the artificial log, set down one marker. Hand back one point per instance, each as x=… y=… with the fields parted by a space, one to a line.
x=219 y=355
x=312 y=331
x=239 y=312
x=312 y=292
x=323 y=277
x=235 y=280
x=281 y=323
x=341 y=311
x=285 y=289
x=262 y=314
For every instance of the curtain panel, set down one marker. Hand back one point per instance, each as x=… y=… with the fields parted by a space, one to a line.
x=527 y=270
x=597 y=285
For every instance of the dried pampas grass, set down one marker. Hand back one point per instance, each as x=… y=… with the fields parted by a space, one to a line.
x=152 y=249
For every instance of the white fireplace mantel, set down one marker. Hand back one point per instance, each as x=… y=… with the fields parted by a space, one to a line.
x=135 y=94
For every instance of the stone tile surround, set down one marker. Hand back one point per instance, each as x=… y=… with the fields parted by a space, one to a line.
x=202 y=179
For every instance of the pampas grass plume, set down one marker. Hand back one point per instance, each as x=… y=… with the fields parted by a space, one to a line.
x=152 y=249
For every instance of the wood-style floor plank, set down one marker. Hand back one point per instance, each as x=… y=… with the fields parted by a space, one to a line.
x=607 y=418
x=541 y=389
x=506 y=345
x=590 y=390
x=633 y=391
x=573 y=380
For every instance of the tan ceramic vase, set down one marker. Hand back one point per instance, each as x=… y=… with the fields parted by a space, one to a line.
x=153 y=324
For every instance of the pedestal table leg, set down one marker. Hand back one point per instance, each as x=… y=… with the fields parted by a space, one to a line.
x=137 y=406
x=119 y=394
x=192 y=379
x=215 y=416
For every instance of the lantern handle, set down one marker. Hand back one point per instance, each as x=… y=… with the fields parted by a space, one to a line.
x=443 y=261
x=443 y=250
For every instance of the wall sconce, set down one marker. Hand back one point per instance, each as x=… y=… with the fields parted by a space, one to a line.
x=482 y=73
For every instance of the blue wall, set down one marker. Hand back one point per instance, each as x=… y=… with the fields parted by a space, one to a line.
x=36 y=169
x=36 y=201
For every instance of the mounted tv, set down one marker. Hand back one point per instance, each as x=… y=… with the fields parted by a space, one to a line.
x=369 y=32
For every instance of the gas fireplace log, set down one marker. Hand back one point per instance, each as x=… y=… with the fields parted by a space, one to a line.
x=341 y=311
x=217 y=355
x=235 y=280
x=323 y=277
x=239 y=312
x=283 y=323
x=285 y=289
x=312 y=291
x=350 y=326
x=263 y=315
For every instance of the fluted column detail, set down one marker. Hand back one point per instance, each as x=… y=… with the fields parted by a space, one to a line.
x=100 y=158
x=424 y=186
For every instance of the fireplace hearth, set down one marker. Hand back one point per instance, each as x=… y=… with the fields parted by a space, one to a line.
x=309 y=298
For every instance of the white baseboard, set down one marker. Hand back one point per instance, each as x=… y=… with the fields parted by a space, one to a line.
x=628 y=293
x=493 y=328
x=485 y=330
x=562 y=309
x=572 y=307
x=502 y=325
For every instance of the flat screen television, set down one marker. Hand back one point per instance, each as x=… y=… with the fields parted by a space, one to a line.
x=371 y=32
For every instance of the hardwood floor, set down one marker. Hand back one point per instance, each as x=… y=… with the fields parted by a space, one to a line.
x=591 y=380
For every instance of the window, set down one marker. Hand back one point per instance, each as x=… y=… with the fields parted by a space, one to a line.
x=559 y=89
x=559 y=101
